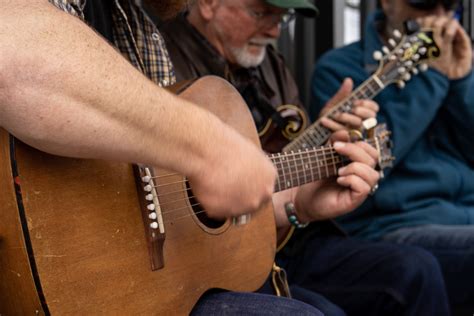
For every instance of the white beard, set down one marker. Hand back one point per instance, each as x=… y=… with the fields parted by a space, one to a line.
x=246 y=59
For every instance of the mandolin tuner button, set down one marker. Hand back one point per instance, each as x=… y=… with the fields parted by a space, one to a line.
x=146 y=179
x=154 y=225
x=147 y=188
x=407 y=76
x=416 y=57
x=423 y=67
x=415 y=71
x=392 y=57
x=149 y=197
x=152 y=215
x=396 y=33
x=151 y=207
x=392 y=42
x=402 y=70
x=423 y=50
x=408 y=63
x=377 y=55
x=401 y=84
x=385 y=49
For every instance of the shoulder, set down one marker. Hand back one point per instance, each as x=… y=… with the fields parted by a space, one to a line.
x=344 y=58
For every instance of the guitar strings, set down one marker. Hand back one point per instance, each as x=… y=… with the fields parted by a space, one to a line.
x=329 y=150
x=301 y=175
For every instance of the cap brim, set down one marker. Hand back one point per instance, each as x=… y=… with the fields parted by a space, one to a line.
x=303 y=7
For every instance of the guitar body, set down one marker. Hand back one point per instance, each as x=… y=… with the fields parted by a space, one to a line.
x=274 y=138
x=89 y=244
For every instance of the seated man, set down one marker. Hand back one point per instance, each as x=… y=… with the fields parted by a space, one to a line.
x=231 y=39
x=427 y=199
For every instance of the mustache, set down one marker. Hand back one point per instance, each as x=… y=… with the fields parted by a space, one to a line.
x=264 y=41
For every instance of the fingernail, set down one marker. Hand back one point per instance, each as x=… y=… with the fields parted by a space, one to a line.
x=341 y=170
x=338 y=145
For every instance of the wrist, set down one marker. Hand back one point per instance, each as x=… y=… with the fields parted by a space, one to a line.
x=293 y=217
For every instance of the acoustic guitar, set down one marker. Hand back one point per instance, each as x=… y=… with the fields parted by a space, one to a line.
x=408 y=54
x=97 y=237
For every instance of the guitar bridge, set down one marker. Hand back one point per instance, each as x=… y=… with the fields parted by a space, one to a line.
x=151 y=215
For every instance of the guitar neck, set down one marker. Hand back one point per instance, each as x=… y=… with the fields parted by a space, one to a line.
x=298 y=168
x=316 y=135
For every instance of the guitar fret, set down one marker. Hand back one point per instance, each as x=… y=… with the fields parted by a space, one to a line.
x=289 y=184
x=305 y=180
x=326 y=162
x=334 y=162
x=278 y=182
x=310 y=166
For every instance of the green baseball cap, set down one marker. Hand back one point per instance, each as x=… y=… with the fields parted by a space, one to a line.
x=305 y=7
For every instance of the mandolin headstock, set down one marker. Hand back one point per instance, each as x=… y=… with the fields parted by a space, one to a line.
x=408 y=54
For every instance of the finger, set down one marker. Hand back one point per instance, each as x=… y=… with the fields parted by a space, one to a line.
x=356 y=184
x=370 y=149
x=354 y=153
x=363 y=171
x=344 y=91
x=332 y=125
x=348 y=119
x=451 y=30
x=368 y=104
x=341 y=136
x=364 y=113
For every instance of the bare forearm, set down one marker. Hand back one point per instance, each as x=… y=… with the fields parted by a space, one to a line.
x=83 y=99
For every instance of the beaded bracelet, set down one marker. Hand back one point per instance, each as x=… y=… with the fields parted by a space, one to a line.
x=292 y=217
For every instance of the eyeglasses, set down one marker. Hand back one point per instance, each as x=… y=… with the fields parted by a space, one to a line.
x=427 y=5
x=267 y=19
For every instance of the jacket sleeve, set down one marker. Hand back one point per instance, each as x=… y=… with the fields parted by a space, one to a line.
x=459 y=109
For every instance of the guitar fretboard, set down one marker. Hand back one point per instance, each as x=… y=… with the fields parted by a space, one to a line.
x=305 y=166
x=316 y=135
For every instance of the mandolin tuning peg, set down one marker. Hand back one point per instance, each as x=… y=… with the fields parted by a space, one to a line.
x=385 y=49
x=414 y=71
x=408 y=64
x=423 y=67
x=407 y=76
x=377 y=55
x=401 y=84
x=402 y=70
x=397 y=34
x=422 y=50
x=392 y=42
x=392 y=57
x=416 y=57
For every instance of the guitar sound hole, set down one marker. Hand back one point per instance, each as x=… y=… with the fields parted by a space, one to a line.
x=200 y=213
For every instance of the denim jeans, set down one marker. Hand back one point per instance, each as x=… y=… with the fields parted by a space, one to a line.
x=237 y=303
x=453 y=246
x=365 y=278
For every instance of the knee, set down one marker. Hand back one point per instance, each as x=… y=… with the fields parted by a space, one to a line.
x=417 y=268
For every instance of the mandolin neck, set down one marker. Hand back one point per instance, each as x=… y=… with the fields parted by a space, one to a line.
x=316 y=135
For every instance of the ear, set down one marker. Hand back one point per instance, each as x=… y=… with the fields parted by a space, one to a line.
x=207 y=8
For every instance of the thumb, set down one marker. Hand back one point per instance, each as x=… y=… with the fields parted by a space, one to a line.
x=344 y=91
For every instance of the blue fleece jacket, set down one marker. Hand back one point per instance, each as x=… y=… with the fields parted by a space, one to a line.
x=432 y=120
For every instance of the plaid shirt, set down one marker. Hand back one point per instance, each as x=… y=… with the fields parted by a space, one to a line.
x=136 y=37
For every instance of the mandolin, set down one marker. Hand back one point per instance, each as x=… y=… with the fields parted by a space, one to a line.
x=408 y=55
x=99 y=237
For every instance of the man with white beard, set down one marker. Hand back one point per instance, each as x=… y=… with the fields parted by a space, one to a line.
x=232 y=39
